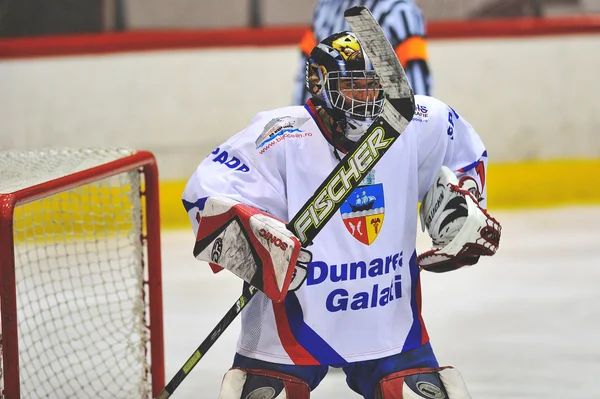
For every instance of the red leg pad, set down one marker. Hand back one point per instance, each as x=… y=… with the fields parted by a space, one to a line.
x=278 y=385
x=412 y=383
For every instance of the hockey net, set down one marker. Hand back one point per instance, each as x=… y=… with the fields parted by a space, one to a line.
x=81 y=303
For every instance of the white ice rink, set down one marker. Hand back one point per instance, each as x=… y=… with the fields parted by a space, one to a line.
x=524 y=324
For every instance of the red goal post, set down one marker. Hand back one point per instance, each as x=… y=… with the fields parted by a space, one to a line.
x=80 y=274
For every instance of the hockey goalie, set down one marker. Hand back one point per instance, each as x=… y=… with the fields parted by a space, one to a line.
x=352 y=299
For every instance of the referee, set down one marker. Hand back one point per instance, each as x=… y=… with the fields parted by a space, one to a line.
x=402 y=22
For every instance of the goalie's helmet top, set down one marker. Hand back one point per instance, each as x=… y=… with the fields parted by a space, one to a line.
x=340 y=76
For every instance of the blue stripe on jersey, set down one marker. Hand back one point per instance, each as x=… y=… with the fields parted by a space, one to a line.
x=198 y=204
x=473 y=164
x=306 y=336
x=468 y=167
x=414 y=337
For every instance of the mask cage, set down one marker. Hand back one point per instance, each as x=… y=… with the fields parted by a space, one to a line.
x=357 y=93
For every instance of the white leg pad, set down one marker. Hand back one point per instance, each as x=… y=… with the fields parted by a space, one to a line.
x=419 y=383
x=262 y=384
x=454 y=384
x=233 y=384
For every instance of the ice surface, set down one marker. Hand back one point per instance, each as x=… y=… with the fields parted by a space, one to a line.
x=523 y=324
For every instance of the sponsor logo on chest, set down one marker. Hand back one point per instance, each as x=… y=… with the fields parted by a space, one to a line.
x=373 y=295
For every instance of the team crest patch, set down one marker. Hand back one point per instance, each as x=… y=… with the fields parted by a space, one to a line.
x=277 y=128
x=363 y=212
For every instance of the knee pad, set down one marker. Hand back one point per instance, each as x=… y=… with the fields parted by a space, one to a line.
x=431 y=383
x=262 y=384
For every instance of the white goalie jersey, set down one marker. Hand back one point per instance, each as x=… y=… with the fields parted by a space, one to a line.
x=362 y=298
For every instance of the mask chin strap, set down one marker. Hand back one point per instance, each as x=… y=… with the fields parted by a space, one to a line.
x=355 y=128
x=335 y=150
x=353 y=131
x=338 y=140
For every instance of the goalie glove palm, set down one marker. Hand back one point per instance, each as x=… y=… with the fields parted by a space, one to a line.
x=460 y=229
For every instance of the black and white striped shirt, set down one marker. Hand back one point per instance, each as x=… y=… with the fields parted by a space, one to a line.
x=402 y=22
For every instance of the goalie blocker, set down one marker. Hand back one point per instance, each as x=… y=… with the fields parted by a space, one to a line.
x=460 y=229
x=253 y=245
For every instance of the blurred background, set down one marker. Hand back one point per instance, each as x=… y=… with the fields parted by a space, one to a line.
x=41 y=17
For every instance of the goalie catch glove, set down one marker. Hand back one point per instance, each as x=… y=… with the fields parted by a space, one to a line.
x=460 y=229
x=251 y=244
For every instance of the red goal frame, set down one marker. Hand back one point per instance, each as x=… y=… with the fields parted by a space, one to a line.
x=146 y=163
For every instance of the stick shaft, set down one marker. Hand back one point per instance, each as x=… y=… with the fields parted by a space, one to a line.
x=208 y=342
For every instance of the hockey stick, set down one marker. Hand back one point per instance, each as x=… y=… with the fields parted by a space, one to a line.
x=328 y=198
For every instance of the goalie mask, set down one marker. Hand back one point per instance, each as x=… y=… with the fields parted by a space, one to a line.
x=340 y=77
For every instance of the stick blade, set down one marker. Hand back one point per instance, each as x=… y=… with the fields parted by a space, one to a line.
x=385 y=61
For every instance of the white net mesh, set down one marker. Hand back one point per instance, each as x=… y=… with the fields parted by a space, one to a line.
x=21 y=169
x=79 y=257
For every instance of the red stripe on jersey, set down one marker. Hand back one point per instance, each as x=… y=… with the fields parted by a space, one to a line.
x=295 y=351
x=480 y=169
x=424 y=335
x=313 y=111
x=326 y=133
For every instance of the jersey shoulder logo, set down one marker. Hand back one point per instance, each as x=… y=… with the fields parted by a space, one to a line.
x=363 y=211
x=421 y=113
x=278 y=128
